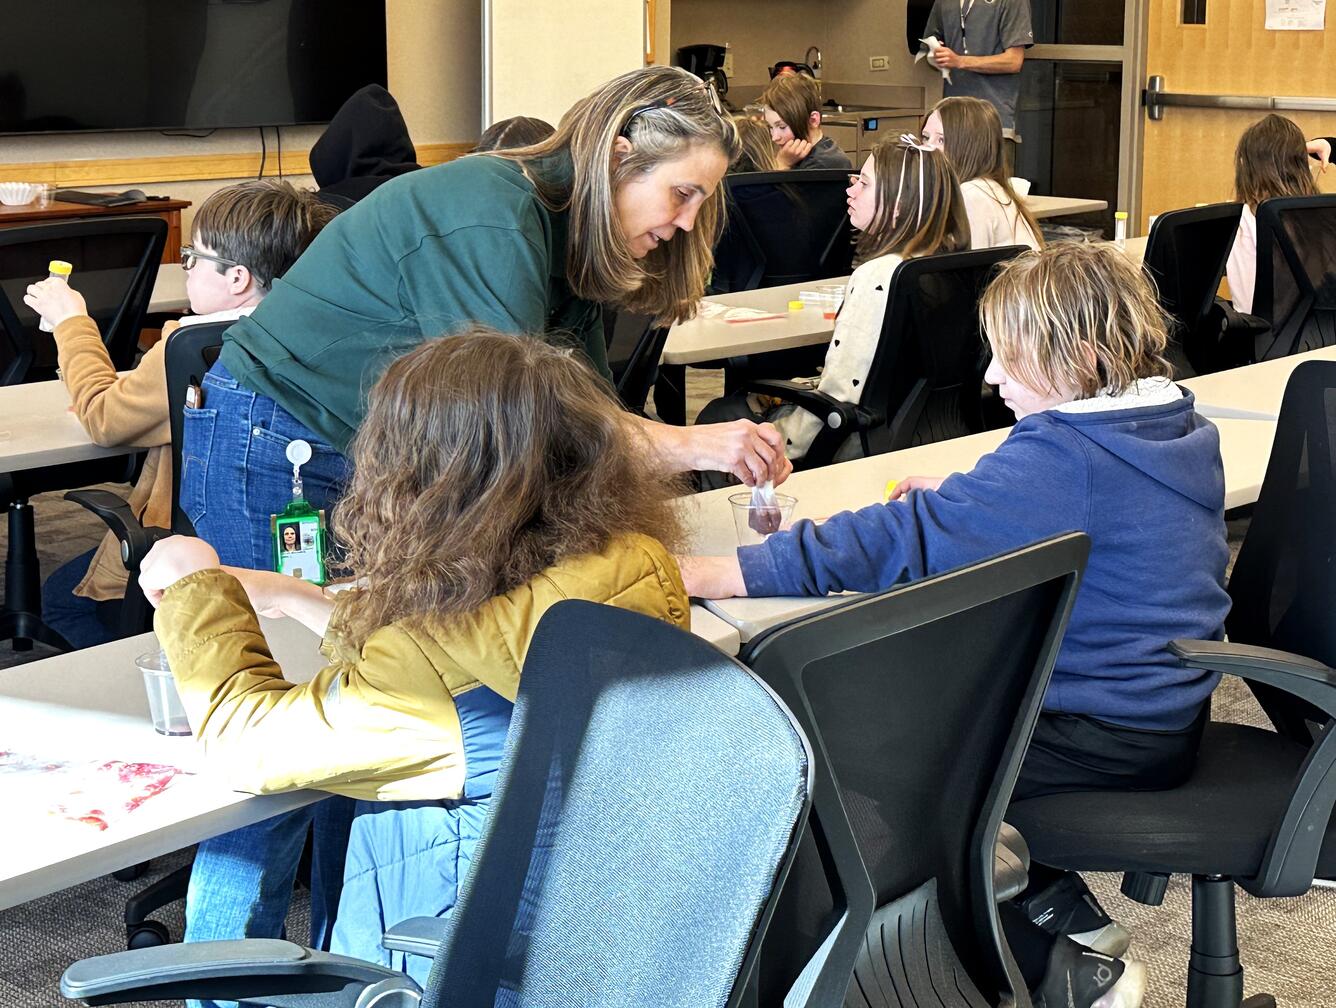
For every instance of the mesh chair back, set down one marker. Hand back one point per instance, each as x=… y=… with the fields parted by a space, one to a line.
x=650 y=794
x=1296 y=274
x=115 y=263
x=635 y=345
x=782 y=228
x=927 y=376
x=1186 y=255
x=1283 y=584
x=919 y=703
x=191 y=351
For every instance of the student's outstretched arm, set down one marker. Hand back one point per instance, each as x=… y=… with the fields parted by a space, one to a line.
x=752 y=452
x=115 y=409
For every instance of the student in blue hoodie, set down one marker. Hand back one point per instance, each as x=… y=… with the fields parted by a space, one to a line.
x=1105 y=443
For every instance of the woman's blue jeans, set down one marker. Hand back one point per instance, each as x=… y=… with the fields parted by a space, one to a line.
x=234 y=475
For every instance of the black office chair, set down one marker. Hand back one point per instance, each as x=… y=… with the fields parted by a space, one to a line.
x=1186 y=256
x=1257 y=809
x=190 y=352
x=1296 y=274
x=783 y=227
x=635 y=345
x=919 y=703
x=926 y=381
x=116 y=261
x=648 y=803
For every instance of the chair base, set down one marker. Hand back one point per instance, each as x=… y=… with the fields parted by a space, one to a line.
x=21 y=621
x=140 y=932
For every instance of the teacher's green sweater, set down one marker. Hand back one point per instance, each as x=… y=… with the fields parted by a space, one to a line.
x=424 y=255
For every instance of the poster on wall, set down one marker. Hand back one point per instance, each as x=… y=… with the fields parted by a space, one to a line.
x=1296 y=15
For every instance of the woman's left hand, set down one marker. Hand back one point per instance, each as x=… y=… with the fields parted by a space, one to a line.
x=172 y=559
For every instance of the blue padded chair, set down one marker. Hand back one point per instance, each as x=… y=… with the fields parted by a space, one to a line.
x=650 y=797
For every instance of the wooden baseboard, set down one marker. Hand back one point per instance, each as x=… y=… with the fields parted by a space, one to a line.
x=188 y=168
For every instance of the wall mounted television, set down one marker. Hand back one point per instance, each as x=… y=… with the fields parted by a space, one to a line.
x=83 y=65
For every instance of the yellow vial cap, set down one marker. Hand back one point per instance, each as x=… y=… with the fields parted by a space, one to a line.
x=795 y=306
x=890 y=488
x=1120 y=215
x=58 y=267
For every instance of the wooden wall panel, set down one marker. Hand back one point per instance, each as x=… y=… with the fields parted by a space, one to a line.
x=193 y=167
x=1189 y=155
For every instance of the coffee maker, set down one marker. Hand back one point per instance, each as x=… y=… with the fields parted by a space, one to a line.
x=706 y=61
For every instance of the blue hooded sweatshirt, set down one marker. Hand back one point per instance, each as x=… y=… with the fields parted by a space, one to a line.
x=1145 y=483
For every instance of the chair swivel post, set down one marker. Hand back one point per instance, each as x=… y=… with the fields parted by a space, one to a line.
x=1215 y=977
x=22 y=619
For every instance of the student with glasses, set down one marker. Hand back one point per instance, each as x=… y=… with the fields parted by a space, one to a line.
x=244 y=237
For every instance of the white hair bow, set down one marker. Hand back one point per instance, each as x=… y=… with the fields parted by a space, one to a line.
x=910 y=142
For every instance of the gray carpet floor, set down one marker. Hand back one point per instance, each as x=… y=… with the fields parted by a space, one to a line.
x=1288 y=945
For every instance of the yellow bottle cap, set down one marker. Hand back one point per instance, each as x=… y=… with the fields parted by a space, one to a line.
x=59 y=267
x=890 y=487
x=795 y=306
x=1120 y=215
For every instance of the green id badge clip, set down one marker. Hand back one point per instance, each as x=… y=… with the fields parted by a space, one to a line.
x=300 y=539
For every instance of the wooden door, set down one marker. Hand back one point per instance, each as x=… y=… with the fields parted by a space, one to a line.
x=1188 y=156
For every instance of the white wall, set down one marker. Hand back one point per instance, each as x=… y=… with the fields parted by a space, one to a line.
x=543 y=55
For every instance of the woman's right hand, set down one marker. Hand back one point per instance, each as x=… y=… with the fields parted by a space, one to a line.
x=1320 y=149
x=170 y=560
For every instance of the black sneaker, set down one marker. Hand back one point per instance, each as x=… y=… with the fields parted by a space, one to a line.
x=1068 y=907
x=1080 y=978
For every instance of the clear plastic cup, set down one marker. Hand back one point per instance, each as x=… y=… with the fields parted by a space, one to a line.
x=755 y=523
x=164 y=703
x=832 y=296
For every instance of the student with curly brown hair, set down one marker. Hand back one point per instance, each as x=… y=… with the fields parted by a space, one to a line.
x=493 y=476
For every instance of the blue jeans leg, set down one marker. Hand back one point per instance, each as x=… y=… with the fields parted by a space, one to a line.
x=235 y=473
x=241 y=882
x=81 y=621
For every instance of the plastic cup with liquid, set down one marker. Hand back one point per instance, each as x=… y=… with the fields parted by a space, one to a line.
x=832 y=296
x=756 y=522
x=164 y=703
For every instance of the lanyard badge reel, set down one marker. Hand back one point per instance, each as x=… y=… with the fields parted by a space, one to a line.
x=300 y=538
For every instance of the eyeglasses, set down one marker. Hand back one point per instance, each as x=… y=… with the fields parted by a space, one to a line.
x=707 y=87
x=189 y=257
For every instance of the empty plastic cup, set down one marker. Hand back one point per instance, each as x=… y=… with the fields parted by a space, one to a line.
x=164 y=703
x=755 y=522
x=832 y=296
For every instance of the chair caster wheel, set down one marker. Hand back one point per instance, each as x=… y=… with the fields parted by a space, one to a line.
x=131 y=873
x=146 y=935
x=1259 y=1001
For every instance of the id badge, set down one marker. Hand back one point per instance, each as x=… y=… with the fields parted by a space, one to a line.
x=299 y=543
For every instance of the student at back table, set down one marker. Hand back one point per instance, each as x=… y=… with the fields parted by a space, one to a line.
x=244 y=237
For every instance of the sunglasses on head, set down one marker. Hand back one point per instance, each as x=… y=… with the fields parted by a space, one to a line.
x=664 y=103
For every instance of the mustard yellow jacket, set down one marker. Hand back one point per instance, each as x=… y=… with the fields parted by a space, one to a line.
x=380 y=725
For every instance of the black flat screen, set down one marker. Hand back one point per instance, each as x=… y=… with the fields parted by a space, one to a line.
x=183 y=64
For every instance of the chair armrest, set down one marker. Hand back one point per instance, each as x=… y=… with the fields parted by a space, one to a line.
x=1295 y=674
x=260 y=970
x=847 y=417
x=1296 y=841
x=136 y=540
x=421 y=936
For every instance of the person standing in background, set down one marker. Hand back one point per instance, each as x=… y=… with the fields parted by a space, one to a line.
x=983 y=45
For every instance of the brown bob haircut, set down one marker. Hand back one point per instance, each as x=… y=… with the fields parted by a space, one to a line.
x=263 y=224
x=794 y=99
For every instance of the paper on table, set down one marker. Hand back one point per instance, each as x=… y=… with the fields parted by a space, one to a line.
x=95 y=793
x=724 y=313
x=934 y=43
x=1296 y=15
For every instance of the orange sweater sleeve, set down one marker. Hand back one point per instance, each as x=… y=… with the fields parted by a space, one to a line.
x=115 y=409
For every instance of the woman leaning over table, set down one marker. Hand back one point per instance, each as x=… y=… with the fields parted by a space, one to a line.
x=620 y=207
